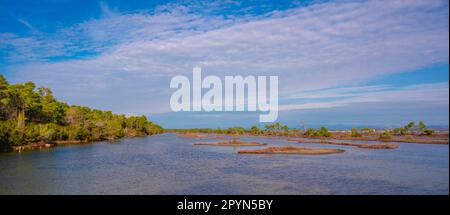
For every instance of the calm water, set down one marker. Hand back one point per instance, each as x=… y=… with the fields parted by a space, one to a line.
x=168 y=164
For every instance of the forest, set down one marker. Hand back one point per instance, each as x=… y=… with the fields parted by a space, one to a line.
x=30 y=115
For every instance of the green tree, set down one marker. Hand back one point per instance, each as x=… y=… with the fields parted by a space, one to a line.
x=30 y=115
x=424 y=129
x=52 y=110
x=323 y=132
x=3 y=98
x=6 y=130
x=422 y=126
x=255 y=130
x=284 y=128
x=114 y=129
x=74 y=116
x=409 y=126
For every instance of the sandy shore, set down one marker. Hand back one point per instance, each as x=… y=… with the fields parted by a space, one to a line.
x=230 y=143
x=192 y=135
x=292 y=150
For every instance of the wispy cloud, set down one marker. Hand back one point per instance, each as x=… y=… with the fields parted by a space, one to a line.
x=337 y=92
x=26 y=24
x=131 y=56
x=430 y=94
x=108 y=12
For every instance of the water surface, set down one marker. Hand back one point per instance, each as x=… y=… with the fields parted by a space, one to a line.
x=168 y=164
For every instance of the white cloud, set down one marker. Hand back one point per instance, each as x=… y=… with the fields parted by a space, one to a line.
x=320 y=46
x=429 y=94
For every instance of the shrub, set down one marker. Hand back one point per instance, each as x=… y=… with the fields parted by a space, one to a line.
x=356 y=133
x=310 y=132
x=401 y=131
x=428 y=132
x=386 y=135
x=255 y=130
x=322 y=132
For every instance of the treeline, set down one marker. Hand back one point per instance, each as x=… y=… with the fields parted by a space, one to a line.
x=278 y=129
x=29 y=115
x=275 y=129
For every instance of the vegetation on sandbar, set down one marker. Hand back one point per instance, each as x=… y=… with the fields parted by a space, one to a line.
x=411 y=132
x=291 y=150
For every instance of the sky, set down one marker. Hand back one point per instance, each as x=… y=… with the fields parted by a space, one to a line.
x=340 y=63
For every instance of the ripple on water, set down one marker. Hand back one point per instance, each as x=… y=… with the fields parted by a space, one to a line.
x=168 y=164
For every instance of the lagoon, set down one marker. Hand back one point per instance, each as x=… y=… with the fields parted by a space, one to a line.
x=170 y=164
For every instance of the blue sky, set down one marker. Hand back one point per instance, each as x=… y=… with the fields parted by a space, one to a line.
x=340 y=63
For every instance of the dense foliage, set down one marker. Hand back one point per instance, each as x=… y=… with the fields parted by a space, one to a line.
x=30 y=115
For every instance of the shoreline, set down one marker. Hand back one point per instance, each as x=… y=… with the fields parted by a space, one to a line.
x=230 y=143
x=42 y=144
x=292 y=150
x=220 y=136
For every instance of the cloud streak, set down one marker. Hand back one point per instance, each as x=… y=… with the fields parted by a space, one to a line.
x=430 y=94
